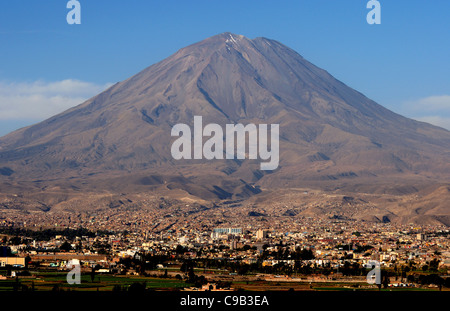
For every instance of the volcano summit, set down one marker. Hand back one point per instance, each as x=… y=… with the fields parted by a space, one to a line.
x=331 y=137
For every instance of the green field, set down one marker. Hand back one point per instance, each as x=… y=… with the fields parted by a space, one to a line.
x=46 y=281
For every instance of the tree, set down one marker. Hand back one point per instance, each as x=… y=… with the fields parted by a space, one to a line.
x=385 y=280
x=447 y=282
x=92 y=274
x=66 y=247
x=434 y=264
x=243 y=269
x=79 y=246
x=15 y=240
x=303 y=254
x=137 y=287
x=200 y=280
x=187 y=266
x=411 y=278
x=180 y=250
x=191 y=276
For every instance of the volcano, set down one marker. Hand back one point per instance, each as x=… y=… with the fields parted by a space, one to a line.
x=331 y=137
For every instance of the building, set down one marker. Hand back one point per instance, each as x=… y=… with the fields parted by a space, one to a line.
x=217 y=232
x=12 y=261
x=421 y=237
x=209 y=287
x=261 y=234
x=228 y=230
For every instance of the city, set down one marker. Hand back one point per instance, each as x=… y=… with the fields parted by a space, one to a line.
x=259 y=252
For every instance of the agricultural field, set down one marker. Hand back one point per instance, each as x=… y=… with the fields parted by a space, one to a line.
x=56 y=281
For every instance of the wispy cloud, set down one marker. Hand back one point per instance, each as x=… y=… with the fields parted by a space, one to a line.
x=439 y=103
x=436 y=120
x=432 y=109
x=40 y=99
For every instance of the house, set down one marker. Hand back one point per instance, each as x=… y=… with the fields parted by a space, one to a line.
x=13 y=261
x=209 y=287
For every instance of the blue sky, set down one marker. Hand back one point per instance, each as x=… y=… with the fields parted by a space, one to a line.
x=47 y=65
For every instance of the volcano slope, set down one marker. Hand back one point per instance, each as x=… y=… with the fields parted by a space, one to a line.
x=332 y=137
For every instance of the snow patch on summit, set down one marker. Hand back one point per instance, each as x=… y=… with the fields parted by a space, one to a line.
x=232 y=39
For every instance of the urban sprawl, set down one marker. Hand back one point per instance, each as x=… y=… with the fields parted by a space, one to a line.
x=214 y=250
